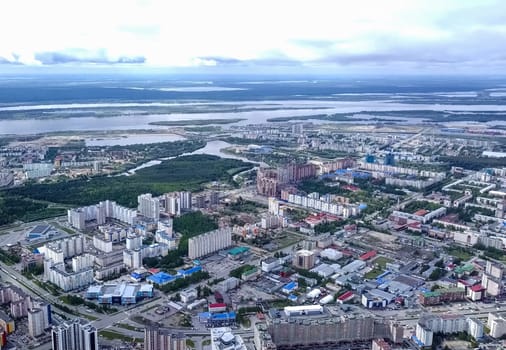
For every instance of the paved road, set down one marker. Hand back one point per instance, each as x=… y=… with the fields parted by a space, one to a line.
x=8 y=273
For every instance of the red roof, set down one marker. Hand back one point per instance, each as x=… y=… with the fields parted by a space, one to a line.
x=420 y=212
x=217 y=305
x=477 y=288
x=368 y=255
x=345 y=296
x=153 y=270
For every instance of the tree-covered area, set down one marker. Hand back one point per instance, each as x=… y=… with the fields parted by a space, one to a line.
x=473 y=163
x=181 y=283
x=418 y=205
x=436 y=274
x=188 y=225
x=237 y=272
x=194 y=223
x=14 y=207
x=182 y=173
x=245 y=206
x=313 y=185
x=329 y=226
x=9 y=258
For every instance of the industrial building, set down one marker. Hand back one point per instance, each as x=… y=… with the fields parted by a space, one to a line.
x=40 y=231
x=376 y=298
x=124 y=294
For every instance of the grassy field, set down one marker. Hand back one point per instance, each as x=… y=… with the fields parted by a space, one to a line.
x=382 y=261
x=126 y=326
x=286 y=240
x=373 y=273
x=461 y=253
x=111 y=335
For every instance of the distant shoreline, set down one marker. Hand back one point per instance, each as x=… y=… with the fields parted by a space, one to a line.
x=196 y=122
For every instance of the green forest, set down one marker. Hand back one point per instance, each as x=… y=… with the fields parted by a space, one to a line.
x=182 y=173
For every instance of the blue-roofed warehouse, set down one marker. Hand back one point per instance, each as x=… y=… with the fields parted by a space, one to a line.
x=189 y=271
x=161 y=278
x=289 y=288
x=217 y=319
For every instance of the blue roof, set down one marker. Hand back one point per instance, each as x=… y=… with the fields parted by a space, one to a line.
x=35 y=251
x=223 y=316
x=292 y=297
x=189 y=271
x=136 y=275
x=290 y=286
x=204 y=315
x=161 y=278
x=383 y=274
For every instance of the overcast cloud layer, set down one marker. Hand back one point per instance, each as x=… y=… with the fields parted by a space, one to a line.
x=423 y=36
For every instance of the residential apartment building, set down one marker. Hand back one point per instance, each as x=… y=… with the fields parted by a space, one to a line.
x=209 y=242
x=156 y=338
x=74 y=335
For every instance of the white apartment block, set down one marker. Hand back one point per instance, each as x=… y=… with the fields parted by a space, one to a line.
x=102 y=244
x=172 y=206
x=36 y=322
x=273 y=206
x=209 y=242
x=56 y=273
x=149 y=206
x=497 y=325
x=447 y=324
x=133 y=242
x=64 y=248
x=100 y=212
x=343 y=210
x=82 y=262
x=132 y=258
x=166 y=226
x=185 y=200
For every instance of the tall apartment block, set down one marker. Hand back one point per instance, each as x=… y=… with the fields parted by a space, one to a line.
x=209 y=242
x=99 y=213
x=149 y=206
x=156 y=338
x=74 y=335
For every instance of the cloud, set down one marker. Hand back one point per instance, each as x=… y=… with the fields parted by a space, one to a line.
x=80 y=56
x=255 y=34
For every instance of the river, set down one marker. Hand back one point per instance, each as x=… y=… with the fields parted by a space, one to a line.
x=136 y=121
x=213 y=148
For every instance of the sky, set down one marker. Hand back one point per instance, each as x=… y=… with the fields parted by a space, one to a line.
x=255 y=36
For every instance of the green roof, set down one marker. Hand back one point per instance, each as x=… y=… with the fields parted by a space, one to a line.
x=249 y=272
x=238 y=250
x=465 y=268
x=440 y=291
